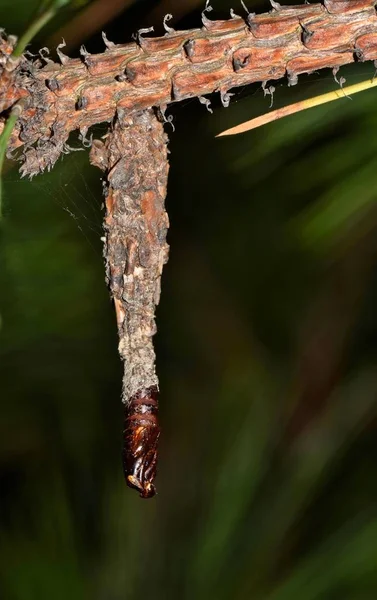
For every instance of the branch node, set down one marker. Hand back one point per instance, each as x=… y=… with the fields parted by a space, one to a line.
x=241 y=62
x=306 y=34
x=162 y=116
x=66 y=150
x=249 y=21
x=63 y=57
x=12 y=39
x=84 y=53
x=81 y=103
x=109 y=45
x=206 y=102
x=189 y=48
x=168 y=29
x=138 y=37
x=53 y=84
x=43 y=53
x=275 y=5
x=208 y=8
x=225 y=98
x=292 y=78
x=358 y=54
x=341 y=81
x=268 y=91
x=86 y=142
x=121 y=77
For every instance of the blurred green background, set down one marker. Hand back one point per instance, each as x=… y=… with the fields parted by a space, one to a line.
x=266 y=352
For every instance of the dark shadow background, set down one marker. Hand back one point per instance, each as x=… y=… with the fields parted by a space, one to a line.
x=266 y=352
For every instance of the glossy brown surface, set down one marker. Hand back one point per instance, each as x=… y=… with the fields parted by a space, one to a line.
x=140 y=439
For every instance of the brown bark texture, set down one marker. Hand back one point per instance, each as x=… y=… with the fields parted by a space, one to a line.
x=151 y=72
x=134 y=158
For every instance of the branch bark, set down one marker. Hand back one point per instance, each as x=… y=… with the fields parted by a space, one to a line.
x=152 y=72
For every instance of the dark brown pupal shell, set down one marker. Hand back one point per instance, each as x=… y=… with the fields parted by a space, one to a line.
x=140 y=439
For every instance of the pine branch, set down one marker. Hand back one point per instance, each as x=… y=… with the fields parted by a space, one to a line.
x=152 y=72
